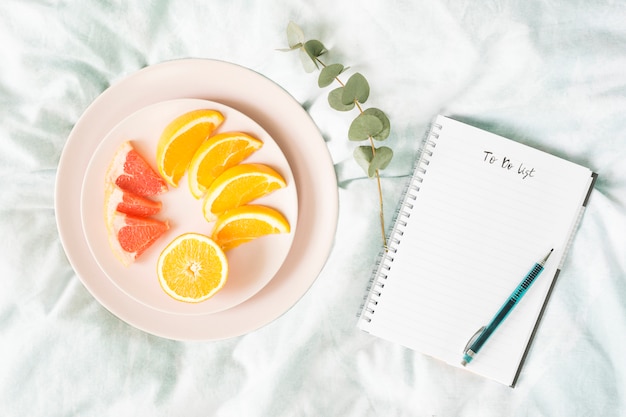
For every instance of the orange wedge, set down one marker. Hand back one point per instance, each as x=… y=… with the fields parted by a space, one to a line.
x=245 y=223
x=192 y=268
x=238 y=186
x=180 y=140
x=216 y=155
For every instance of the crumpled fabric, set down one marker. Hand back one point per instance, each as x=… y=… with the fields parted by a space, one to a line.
x=548 y=74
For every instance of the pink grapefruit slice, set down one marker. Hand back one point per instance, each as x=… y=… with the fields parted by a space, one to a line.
x=130 y=236
x=116 y=199
x=131 y=172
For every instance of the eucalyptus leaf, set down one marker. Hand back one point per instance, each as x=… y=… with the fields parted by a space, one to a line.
x=363 y=156
x=384 y=133
x=334 y=100
x=295 y=35
x=356 y=89
x=364 y=126
x=328 y=74
x=370 y=123
x=380 y=160
x=307 y=63
x=314 y=49
x=293 y=48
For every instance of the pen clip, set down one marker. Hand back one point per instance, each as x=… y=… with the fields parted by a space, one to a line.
x=471 y=340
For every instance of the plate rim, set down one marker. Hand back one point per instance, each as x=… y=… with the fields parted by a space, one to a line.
x=253 y=313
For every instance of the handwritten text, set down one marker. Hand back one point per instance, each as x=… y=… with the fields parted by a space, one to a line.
x=507 y=164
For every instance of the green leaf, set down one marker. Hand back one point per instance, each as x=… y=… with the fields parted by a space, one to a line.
x=295 y=36
x=356 y=89
x=314 y=49
x=293 y=48
x=370 y=162
x=328 y=74
x=334 y=99
x=307 y=63
x=364 y=126
x=363 y=156
x=384 y=133
x=380 y=160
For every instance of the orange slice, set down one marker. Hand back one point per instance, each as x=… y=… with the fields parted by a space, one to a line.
x=192 y=268
x=130 y=236
x=130 y=171
x=129 y=203
x=245 y=223
x=238 y=186
x=216 y=155
x=180 y=140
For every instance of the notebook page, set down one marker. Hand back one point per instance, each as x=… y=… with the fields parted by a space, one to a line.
x=487 y=210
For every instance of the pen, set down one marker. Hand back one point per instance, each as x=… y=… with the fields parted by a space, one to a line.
x=480 y=337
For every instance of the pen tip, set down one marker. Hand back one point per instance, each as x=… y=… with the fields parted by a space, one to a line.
x=544 y=260
x=463 y=362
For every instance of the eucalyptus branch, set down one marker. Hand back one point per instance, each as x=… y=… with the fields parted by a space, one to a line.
x=370 y=125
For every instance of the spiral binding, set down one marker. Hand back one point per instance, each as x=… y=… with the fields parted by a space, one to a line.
x=385 y=259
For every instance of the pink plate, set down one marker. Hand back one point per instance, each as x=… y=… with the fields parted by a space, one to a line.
x=251 y=266
x=281 y=116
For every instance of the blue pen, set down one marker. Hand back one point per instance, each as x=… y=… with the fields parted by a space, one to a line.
x=480 y=337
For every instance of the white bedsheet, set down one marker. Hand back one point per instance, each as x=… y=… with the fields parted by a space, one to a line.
x=549 y=74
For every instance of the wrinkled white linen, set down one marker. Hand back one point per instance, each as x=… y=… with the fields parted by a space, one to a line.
x=549 y=74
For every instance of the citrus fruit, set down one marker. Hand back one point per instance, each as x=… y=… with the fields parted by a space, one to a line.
x=217 y=154
x=130 y=171
x=239 y=185
x=245 y=223
x=130 y=236
x=180 y=140
x=192 y=268
x=129 y=203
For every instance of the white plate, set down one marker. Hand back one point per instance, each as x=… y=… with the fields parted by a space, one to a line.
x=292 y=129
x=251 y=266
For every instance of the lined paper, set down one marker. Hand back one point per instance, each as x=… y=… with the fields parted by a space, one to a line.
x=487 y=210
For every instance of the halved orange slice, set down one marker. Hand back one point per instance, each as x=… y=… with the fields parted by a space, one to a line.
x=180 y=140
x=240 y=185
x=192 y=268
x=245 y=223
x=216 y=155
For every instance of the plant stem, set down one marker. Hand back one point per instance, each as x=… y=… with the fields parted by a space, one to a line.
x=381 y=213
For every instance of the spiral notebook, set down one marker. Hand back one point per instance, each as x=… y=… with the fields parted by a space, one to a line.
x=478 y=212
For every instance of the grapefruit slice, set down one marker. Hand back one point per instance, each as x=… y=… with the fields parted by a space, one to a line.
x=130 y=236
x=130 y=171
x=116 y=199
